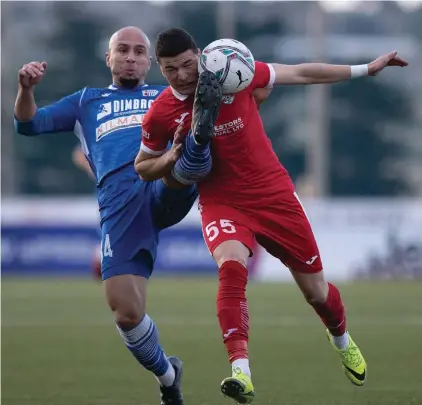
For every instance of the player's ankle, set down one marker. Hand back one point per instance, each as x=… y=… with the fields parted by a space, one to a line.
x=243 y=365
x=341 y=341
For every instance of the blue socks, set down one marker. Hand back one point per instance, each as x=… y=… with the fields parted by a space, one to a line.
x=194 y=163
x=142 y=341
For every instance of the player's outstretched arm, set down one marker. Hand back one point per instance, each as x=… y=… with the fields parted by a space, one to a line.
x=30 y=120
x=319 y=73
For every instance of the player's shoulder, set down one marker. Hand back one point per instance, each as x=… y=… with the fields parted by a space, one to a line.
x=166 y=96
x=91 y=93
x=96 y=91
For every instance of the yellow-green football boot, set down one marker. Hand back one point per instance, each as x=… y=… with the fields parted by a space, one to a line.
x=238 y=387
x=354 y=365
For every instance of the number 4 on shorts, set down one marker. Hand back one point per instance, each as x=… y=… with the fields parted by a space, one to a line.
x=212 y=230
x=106 y=248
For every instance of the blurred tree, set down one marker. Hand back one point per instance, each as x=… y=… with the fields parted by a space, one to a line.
x=360 y=156
x=73 y=64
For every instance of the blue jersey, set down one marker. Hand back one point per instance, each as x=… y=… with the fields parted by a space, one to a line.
x=107 y=121
x=132 y=212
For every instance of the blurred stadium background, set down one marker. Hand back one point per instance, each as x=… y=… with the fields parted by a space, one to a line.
x=353 y=149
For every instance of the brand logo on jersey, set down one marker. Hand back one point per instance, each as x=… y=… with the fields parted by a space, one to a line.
x=105 y=94
x=115 y=124
x=104 y=110
x=145 y=134
x=124 y=107
x=228 y=127
x=182 y=118
x=149 y=93
x=227 y=99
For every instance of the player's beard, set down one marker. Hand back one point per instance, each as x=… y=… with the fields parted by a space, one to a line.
x=129 y=83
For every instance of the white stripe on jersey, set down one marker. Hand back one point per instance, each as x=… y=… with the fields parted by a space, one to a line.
x=150 y=151
x=272 y=76
x=79 y=132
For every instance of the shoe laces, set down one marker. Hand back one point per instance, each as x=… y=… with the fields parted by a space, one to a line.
x=352 y=356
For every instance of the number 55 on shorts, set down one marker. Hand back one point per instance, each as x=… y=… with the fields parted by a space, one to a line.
x=212 y=230
x=221 y=230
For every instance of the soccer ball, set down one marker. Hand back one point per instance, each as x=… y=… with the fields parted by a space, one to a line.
x=231 y=61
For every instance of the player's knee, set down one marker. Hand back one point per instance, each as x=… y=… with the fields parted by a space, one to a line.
x=231 y=250
x=314 y=286
x=128 y=314
x=316 y=293
x=128 y=318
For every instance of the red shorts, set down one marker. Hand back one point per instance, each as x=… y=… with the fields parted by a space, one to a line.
x=282 y=228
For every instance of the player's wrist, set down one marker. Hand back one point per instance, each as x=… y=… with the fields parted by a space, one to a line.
x=169 y=160
x=26 y=89
x=359 y=71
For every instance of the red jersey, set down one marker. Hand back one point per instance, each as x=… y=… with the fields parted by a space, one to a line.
x=244 y=165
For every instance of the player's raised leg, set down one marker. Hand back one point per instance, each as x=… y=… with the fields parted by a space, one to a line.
x=230 y=242
x=173 y=201
x=289 y=237
x=195 y=161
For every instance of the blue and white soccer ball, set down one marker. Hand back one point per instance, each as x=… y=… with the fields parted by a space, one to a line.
x=231 y=61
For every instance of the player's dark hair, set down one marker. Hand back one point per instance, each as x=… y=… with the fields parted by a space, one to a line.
x=173 y=42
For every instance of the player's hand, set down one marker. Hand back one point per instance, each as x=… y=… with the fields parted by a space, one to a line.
x=389 y=59
x=31 y=74
x=176 y=148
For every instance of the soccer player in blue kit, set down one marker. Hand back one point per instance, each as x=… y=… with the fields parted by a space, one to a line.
x=132 y=212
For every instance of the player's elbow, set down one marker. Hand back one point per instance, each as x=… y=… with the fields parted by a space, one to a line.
x=145 y=166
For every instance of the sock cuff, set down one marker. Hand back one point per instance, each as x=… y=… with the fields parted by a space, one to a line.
x=233 y=266
x=133 y=335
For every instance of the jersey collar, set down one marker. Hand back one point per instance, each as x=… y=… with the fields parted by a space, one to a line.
x=181 y=97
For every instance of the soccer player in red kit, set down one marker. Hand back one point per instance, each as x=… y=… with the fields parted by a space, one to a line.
x=249 y=195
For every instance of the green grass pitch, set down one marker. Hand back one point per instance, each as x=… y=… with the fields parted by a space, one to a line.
x=60 y=347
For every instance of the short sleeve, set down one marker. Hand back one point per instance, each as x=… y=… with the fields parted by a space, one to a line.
x=264 y=76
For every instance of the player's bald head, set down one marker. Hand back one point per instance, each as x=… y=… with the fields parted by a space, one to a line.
x=129 y=34
x=128 y=56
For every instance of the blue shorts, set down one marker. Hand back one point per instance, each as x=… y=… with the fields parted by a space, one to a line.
x=132 y=213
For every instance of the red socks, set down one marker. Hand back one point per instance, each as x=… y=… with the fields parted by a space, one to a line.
x=331 y=312
x=232 y=309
